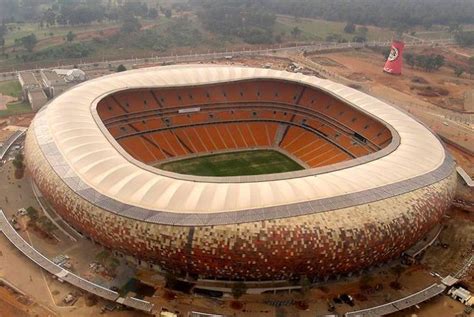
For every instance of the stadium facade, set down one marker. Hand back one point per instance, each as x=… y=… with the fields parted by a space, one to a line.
x=375 y=180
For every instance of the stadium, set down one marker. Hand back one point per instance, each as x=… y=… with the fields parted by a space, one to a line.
x=239 y=173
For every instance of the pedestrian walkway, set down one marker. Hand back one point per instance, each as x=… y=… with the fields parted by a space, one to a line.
x=63 y=275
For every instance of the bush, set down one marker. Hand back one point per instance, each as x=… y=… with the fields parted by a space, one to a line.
x=257 y=36
x=32 y=213
x=69 y=50
x=350 y=28
x=465 y=38
x=70 y=36
x=29 y=42
x=91 y=300
x=458 y=71
x=305 y=284
x=130 y=25
x=426 y=62
x=238 y=289
x=102 y=256
x=179 y=33
x=359 y=39
x=171 y=280
x=19 y=166
x=121 y=68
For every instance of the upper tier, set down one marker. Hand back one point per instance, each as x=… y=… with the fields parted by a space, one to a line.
x=312 y=126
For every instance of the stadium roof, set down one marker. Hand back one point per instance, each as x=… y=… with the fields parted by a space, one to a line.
x=79 y=148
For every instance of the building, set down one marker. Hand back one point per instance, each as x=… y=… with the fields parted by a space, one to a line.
x=375 y=181
x=48 y=84
x=462 y=295
x=53 y=84
x=32 y=90
x=57 y=81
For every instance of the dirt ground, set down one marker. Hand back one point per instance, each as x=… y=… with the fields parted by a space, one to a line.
x=441 y=306
x=5 y=134
x=366 y=66
x=23 y=120
x=4 y=100
x=10 y=306
x=442 y=113
x=458 y=235
x=463 y=159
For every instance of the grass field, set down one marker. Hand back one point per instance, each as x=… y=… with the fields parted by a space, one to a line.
x=318 y=30
x=19 y=30
x=234 y=164
x=13 y=88
x=10 y=88
x=16 y=108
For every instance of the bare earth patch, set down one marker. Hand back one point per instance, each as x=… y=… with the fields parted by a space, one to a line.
x=4 y=100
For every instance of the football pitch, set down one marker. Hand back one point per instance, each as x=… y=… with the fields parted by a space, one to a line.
x=234 y=164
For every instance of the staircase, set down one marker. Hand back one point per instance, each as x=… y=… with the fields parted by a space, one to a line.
x=280 y=133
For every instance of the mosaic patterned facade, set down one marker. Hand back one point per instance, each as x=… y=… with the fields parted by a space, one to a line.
x=317 y=245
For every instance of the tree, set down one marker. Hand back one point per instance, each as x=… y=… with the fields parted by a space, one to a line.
x=248 y=20
x=3 y=29
x=18 y=164
x=32 y=213
x=61 y=20
x=427 y=23
x=454 y=28
x=386 y=53
x=458 y=71
x=350 y=28
x=152 y=13
x=422 y=61
x=171 y=280
x=134 y=8
x=410 y=59
x=121 y=68
x=365 y=280
x=3 y=32
x=359 y=39
x=296 y=31
x=363 y=30
x=305 y=284
x=168 y=13
x=238 y=289
x=130 y=25
x=397 y=270
x=426 y=62
x=50 y=17
x=70 y=36
x=91 y=300
x=471 y=67
x=29 y=42
x=438 y=61
x=464 y=38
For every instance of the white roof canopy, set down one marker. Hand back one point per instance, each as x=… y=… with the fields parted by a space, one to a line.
x=83 y=142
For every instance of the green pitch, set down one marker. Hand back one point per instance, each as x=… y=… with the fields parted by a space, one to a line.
x=234 y=164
